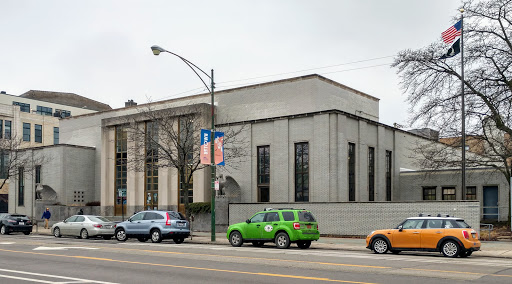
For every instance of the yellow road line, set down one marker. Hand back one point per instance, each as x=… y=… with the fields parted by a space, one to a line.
x=191 y=267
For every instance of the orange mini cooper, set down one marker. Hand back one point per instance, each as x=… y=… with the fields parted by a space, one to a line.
x=449 y=235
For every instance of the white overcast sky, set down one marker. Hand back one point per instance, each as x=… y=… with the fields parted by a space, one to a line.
x=101 y=49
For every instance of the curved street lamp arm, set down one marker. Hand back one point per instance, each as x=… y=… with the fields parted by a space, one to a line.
x=193 y=67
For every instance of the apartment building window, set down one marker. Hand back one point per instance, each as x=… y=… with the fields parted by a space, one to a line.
x=21 y=187
x=388 y=174
x=62 y=113
x=23 y=106
x=429 y=193
x=264 y=173
x=38 y=133
x=302 y=171
x=55 y=135
x=151 y=184
x=38 y=174
x=4 y=165
x=371 y=174
x=44 y=110
x=26 y=131
x=470 y=193
x=448 y=193
x=351 y=172
x=8 y=129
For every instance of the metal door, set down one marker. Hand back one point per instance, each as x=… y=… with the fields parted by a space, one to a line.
x=490 y=209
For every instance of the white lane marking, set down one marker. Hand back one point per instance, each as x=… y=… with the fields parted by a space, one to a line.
x=47 y=276
x=6 y=243
x=61 y=248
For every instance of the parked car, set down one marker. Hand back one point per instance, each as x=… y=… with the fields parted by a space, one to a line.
x=84 y=226
x=449 y=235
x=155 y=225
x=280 y=226
x=15 y=223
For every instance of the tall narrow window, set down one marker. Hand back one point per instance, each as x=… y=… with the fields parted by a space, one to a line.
x=38 y=174
x=371 y=174
x=1 y=128
x=121 y=170
x=4 y=165
x=264 y=173
x=38 y=133
x=26 y=131
x=7 y=129
x=351 y=172
x=470 y=193
x=449 y=193
x=429 y=193
x=151 y=184
x=186 y=128
x=55 y=135
x=302 y=171
x=388 y=174
x=21 y=187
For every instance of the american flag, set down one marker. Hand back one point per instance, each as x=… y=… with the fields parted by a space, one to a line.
x=450 y=34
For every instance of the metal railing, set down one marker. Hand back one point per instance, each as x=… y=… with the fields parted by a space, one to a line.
x=488 y=228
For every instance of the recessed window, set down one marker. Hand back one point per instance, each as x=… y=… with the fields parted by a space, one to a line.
x=44 y=110
x=351 y=172
x=55 y=135
x=26 y=132
x=371 y=174
x=263 y=173
x=429 y=193
x=23 y=106
x=448 y=193
x=470 y=193
x=302 y=171
x=388 y=174
x=8 y=129
x=38 y=133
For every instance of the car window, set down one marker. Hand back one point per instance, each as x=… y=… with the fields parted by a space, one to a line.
x=258 y=218
x=306 y=216
x=434 y=224
x=413 y=224
x=99 y=219
x=272 y=217
x=150 y=216
x=288 y=216
x=175 y=215
x=138 y=216
x=2 y=216
x=462 y=224
x=80 y=219
x=71 y=219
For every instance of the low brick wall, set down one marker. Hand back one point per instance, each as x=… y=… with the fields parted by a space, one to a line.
x=360 y=218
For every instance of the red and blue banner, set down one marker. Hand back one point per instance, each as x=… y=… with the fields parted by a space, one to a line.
x=206 y=146
x=219 y=148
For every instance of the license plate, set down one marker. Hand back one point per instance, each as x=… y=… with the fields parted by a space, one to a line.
x=181 y=224
x=108 y=227
x=309 y=226
x=22 y=223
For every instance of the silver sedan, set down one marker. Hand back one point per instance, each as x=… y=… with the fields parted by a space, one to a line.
x=84 y=226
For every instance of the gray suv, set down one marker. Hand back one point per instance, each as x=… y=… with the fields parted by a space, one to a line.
x=154 y=225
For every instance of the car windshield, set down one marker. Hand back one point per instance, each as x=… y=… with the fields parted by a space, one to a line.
x=99 y=219
x=462 y=224
x=305 y=216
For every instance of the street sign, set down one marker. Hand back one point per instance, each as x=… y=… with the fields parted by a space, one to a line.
x=216 y=185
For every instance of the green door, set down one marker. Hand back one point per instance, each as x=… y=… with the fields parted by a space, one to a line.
x=255 y=226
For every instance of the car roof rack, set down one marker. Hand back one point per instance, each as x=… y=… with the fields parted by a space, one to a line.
x=443 y=215
x=423 y=215
x=268 y=209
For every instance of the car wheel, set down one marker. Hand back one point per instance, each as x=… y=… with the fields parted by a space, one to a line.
x=3 y=230
x=380 y=245
x=178 y=240
x=304 y=244
x=156 y=236
x=84 y=234
x=235 y=239
x=282 y=240
x=106 y=238
x=450 y=249
x=56 y=232
x=121 y=235
x=26 y=233
x=393 y=251
x=142 y=240
x=257 y=243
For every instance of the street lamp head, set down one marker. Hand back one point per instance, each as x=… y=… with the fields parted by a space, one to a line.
x=157 y=49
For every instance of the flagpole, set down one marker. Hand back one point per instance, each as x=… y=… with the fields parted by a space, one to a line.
x=463 y=116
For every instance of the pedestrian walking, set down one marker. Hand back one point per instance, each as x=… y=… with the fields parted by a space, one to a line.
x=80 y=212
x=46 y=217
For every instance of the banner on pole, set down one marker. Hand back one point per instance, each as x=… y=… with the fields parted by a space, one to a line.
x=219 y=148
x=205 y=146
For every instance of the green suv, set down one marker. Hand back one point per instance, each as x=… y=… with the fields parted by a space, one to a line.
x=281 y=226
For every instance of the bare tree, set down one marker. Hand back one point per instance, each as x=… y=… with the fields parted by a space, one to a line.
x=434 y=89
x=170 y=138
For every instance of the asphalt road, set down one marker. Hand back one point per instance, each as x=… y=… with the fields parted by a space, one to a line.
x=46 y=259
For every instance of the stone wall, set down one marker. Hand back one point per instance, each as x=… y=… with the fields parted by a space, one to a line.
x=61 y=212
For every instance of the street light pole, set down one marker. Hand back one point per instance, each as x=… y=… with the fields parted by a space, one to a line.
x=156 y=51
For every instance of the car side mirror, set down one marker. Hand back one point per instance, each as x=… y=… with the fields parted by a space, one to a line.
x=64 y=221
x=400 y=228
x=247 y=221
x=129 y=219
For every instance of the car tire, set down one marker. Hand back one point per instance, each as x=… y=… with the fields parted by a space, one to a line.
x=26 y=233
x=379 y=246
x=142 y=239
x=106 y=238
x=84 y=234
x=394 y=251
x=4 y=230
x=56 y=232
x=121 y=235
x=282 y=240
x=156 y=236
x=235 y=239
x=178 y=240
x=450 y=249
x=303 y=244
x=257 y=243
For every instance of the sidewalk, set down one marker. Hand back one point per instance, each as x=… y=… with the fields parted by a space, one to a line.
x=501 y=249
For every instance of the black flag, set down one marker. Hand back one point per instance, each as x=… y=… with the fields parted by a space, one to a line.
x=454 y=50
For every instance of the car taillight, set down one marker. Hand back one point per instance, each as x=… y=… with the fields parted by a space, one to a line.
x=97 y=225
x=11 y=221
x=317 y=227
x=168 y=221
x=296 y=226
x=115 y=226
x=465 y=234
